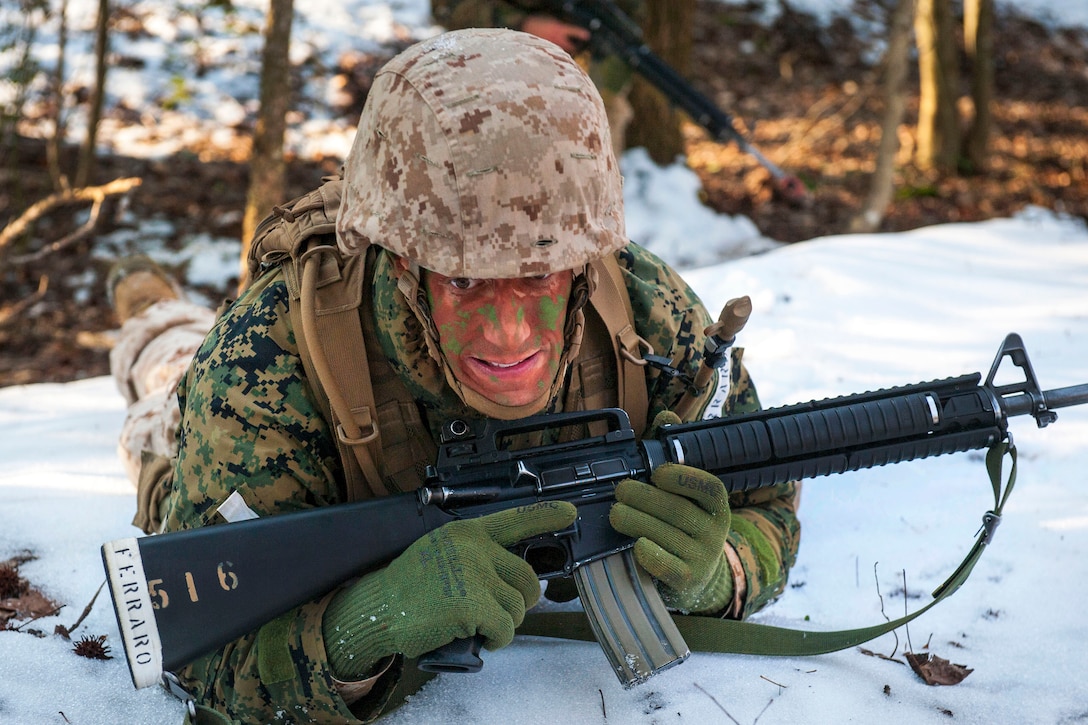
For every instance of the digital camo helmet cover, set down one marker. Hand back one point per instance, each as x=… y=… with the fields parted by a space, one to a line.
x=483 y=153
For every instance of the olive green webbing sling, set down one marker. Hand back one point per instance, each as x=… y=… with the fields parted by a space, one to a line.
x=710 y=634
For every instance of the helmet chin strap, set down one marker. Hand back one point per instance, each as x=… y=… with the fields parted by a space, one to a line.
x=408 y=284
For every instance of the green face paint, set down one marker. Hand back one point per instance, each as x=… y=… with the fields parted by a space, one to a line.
x=451 y=343
x=489 y=312
x=501 y=338
x=552 y=311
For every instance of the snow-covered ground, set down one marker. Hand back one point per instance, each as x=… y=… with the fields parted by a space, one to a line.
x=832 y=316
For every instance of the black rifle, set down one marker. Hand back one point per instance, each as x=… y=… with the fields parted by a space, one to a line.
x=178 y=596
x=613 y=32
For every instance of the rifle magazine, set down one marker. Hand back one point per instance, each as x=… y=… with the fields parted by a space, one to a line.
x=629 y=619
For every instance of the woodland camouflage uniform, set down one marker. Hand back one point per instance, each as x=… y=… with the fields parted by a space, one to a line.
x=252 y=421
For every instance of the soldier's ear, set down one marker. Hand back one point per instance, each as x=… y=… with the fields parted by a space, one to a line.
x=401 y=263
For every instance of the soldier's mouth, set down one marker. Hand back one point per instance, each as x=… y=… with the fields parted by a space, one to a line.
x=506 y=367
x=505 y=380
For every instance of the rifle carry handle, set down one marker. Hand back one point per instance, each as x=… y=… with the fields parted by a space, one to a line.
x=460 y=655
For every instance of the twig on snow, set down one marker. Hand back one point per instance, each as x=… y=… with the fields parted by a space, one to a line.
x=715 y=701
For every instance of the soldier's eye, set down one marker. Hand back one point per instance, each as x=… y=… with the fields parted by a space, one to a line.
x=463 y=282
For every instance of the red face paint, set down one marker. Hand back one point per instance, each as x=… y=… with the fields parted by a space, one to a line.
x=503 y=338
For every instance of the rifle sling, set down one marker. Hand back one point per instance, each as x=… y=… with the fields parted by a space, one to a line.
x=711 y=634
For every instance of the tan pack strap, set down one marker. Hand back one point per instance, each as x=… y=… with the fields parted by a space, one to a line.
x=330 y=318
x=613 y=304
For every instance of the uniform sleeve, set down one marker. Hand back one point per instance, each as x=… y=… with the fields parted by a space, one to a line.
x=669 y=315
x=250 y=426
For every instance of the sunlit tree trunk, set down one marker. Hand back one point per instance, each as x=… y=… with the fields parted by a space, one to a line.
x=53 y=143
x=85 y=170
x=938 y=125
x=267 y=170
x=978 y=27
x=656 y=125
x=896 y=66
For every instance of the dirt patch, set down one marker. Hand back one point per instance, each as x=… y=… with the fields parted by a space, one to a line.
x=814 y=102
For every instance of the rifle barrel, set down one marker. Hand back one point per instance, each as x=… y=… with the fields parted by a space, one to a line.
x=1022 y=404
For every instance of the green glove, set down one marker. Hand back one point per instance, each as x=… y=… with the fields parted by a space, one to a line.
x=680 y=525
x=453 y=583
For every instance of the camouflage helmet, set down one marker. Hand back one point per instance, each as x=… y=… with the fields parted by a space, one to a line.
x=483 y=153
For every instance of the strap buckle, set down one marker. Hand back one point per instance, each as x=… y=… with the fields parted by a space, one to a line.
x=172 y=685
x=368 y=432
x=666 y=367
x=990 y=522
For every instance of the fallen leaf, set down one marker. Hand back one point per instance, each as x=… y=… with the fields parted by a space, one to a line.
x=937 y=671
x=31 y=604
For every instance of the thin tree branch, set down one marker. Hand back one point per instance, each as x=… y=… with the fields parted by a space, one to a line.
x=66 y=241
x=17 y=308
x=69 y=196
x=66 y=632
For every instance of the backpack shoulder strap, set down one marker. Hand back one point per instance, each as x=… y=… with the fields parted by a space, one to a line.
x=329 y=333
x=326 y=292
x=612 y=303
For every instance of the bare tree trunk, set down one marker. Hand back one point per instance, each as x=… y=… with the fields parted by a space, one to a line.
x=978 y=28
x=94 y=113
x=656 y=126
x=896 y=66
x=267 y=169
x=53 y=143
x=938 y=125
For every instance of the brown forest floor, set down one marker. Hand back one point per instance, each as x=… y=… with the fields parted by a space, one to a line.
x=818 y=108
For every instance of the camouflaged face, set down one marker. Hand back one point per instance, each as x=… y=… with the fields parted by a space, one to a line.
x=484 y=154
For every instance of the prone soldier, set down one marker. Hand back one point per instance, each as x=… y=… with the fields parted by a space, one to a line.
x=479 y=243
